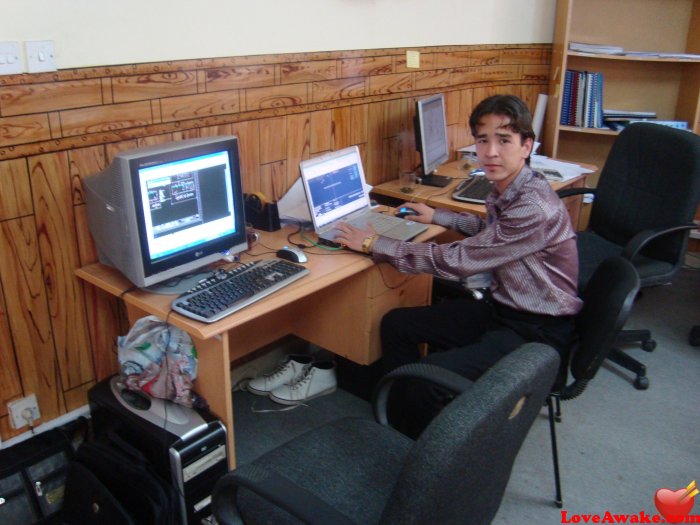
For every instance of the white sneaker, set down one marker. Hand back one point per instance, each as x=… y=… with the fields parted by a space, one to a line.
x=287 y=371
x=318 y=380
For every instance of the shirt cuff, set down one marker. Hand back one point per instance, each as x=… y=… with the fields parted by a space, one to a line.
x=384 y=248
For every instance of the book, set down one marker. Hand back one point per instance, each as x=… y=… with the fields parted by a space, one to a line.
x=582 y=99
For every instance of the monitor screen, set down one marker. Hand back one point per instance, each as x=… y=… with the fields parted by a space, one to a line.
x=165 y=211
x=431 y=132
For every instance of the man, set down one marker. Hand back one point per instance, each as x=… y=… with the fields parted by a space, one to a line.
x=526 y=244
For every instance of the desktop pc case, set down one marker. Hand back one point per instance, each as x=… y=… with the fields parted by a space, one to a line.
x=186 y=447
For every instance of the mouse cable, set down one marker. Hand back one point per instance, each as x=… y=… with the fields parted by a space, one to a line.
x=383 y=276
x=298 y=230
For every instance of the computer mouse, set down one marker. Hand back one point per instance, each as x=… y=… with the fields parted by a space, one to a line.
x=292 y=254
x=404 y=211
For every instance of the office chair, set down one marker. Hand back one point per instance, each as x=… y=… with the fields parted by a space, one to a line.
x=644 y=206
x=360 y=471
x=607 y=302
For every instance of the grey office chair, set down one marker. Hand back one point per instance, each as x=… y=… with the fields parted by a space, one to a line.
x=644 y=206
x=607 y=302
x=359 y=471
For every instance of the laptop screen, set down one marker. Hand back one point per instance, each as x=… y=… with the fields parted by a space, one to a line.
x=335 y=185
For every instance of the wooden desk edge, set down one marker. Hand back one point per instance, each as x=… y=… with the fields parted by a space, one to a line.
x=113 y=282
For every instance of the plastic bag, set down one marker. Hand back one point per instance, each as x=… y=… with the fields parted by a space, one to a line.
x=159 y=359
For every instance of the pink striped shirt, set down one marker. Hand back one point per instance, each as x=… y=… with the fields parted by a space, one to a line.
x=526 y=242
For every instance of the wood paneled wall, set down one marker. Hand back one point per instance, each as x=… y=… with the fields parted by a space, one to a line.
x=56 y=128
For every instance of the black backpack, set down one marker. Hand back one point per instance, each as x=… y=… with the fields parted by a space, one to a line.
x=113 y=483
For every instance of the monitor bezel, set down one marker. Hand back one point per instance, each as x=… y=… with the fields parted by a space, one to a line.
x=168 y=267
x=429 y=166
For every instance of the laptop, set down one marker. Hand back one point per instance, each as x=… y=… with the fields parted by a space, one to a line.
x=336 y=192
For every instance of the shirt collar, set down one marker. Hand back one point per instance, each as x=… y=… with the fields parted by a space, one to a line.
x=498 y=201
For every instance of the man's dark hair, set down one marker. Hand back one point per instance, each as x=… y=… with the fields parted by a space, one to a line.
x=508 y=106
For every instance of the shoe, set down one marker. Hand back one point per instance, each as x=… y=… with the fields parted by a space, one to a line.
x=287 y=371
x=318 y=380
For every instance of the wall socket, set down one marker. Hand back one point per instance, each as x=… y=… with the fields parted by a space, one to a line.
x=23 y=411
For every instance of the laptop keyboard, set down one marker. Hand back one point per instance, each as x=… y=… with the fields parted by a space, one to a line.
x=474 y=189
x=382 y=222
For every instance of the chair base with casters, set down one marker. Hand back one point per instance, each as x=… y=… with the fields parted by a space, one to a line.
x=360 y=471
x=607 y=302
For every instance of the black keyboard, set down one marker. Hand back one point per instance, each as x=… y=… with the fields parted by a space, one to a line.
x=473 y=189
x=227 y=291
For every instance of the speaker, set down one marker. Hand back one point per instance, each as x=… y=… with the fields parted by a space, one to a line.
x=261 y=214
x=185 y=446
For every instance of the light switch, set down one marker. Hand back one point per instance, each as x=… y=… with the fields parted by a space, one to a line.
x=10 y=59
x=41 y=56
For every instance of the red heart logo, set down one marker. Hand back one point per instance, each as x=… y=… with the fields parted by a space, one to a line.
x=673 y=505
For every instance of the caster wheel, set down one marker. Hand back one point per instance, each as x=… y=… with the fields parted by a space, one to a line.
x=641 y=383
x=648 y=345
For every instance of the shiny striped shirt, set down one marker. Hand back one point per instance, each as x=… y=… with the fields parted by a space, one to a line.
x=526 y=242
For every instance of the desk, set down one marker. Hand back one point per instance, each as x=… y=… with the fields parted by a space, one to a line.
x=337 y=306
x=442 y=197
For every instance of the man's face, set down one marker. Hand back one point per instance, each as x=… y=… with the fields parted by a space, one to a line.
x=501 y=152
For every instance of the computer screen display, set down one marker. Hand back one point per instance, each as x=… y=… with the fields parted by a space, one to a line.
x=431 y=132
x=160 y=212
x=335 y=184
x=186 y=203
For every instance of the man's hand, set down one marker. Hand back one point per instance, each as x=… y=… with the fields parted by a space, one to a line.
x=425 y=212
x=351 y=237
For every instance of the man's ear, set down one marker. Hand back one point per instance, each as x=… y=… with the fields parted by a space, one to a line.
x=529 y=144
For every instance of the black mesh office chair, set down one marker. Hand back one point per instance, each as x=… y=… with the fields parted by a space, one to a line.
x=359 y=471
x=607 y=302
x=644 y=206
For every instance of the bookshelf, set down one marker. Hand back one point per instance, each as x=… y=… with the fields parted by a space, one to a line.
x=668 y=84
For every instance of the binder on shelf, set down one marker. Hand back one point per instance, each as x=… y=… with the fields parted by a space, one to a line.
x=582 y=99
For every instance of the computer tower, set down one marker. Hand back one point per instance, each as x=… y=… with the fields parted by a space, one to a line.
x=186 y=447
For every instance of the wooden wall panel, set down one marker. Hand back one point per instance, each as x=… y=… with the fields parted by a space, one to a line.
x=28 y=315
x=16 y=196
x=58 y=335
x=10 y=384
x=53 y=205
x=34 y=98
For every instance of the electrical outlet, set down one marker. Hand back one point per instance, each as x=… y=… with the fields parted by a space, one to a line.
x=23 y=411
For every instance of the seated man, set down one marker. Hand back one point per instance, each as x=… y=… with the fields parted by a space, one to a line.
x=526 y=246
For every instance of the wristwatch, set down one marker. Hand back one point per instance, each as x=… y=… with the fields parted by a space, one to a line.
x=367 y=243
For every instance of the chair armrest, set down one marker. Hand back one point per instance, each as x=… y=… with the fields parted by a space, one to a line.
x=276 y=489
x=644 y=237
x=569 y=192
x=434 y=374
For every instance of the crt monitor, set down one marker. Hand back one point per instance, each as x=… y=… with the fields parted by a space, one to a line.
x=161 y=213
x=431 y=132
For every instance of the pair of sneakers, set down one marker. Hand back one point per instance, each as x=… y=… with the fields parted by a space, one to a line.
x=296 y=379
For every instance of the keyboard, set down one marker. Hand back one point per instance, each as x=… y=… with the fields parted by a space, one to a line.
x=227 y=291
x=473 y=189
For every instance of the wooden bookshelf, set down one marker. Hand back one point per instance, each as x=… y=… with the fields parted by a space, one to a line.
x=668 y=86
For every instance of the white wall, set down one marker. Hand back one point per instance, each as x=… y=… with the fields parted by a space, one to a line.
x=101 y=33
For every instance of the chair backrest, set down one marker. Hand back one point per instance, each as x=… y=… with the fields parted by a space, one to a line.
x=458 y=469
x=651 y=179
x=607 y=301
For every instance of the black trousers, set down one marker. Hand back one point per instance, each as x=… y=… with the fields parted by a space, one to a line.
x=465 y=336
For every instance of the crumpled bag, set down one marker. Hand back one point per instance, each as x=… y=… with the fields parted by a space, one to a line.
x=159 y=359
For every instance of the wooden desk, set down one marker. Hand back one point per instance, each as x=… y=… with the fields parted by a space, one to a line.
x=337 y=306
x=442 y=197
